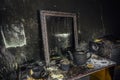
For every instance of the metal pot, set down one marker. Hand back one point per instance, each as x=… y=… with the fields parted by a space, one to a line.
x=81 y=57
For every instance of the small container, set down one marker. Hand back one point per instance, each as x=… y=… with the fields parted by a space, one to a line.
x=81 y=57
x=65 y=64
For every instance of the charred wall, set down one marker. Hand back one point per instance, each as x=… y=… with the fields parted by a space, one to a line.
x=88 y=13
x=111 y=11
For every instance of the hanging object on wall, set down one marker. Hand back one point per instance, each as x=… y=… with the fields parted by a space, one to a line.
x=13 y=35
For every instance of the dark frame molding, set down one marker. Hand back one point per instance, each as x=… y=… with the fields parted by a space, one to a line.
x=43 y=14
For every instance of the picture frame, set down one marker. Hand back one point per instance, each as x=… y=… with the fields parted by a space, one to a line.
x=59 y=31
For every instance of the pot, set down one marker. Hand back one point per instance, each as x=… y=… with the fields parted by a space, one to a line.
x=81 y=57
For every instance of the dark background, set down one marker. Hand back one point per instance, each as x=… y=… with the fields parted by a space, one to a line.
x=111 y=13
x=95 y=18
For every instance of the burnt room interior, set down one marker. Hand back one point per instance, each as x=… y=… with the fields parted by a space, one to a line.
x=59 y=40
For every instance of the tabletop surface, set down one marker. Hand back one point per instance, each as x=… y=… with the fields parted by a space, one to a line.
x=94 y=64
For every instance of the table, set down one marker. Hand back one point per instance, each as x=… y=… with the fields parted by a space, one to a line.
x=77 y=72
x=98 y=62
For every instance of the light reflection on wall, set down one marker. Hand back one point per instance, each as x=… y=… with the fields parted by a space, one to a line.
x=13 y=35
x=62 y=35
x=63 y=40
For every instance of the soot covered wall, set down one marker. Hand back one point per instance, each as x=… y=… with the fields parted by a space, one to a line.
x=26 y=12
x=111 y=16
